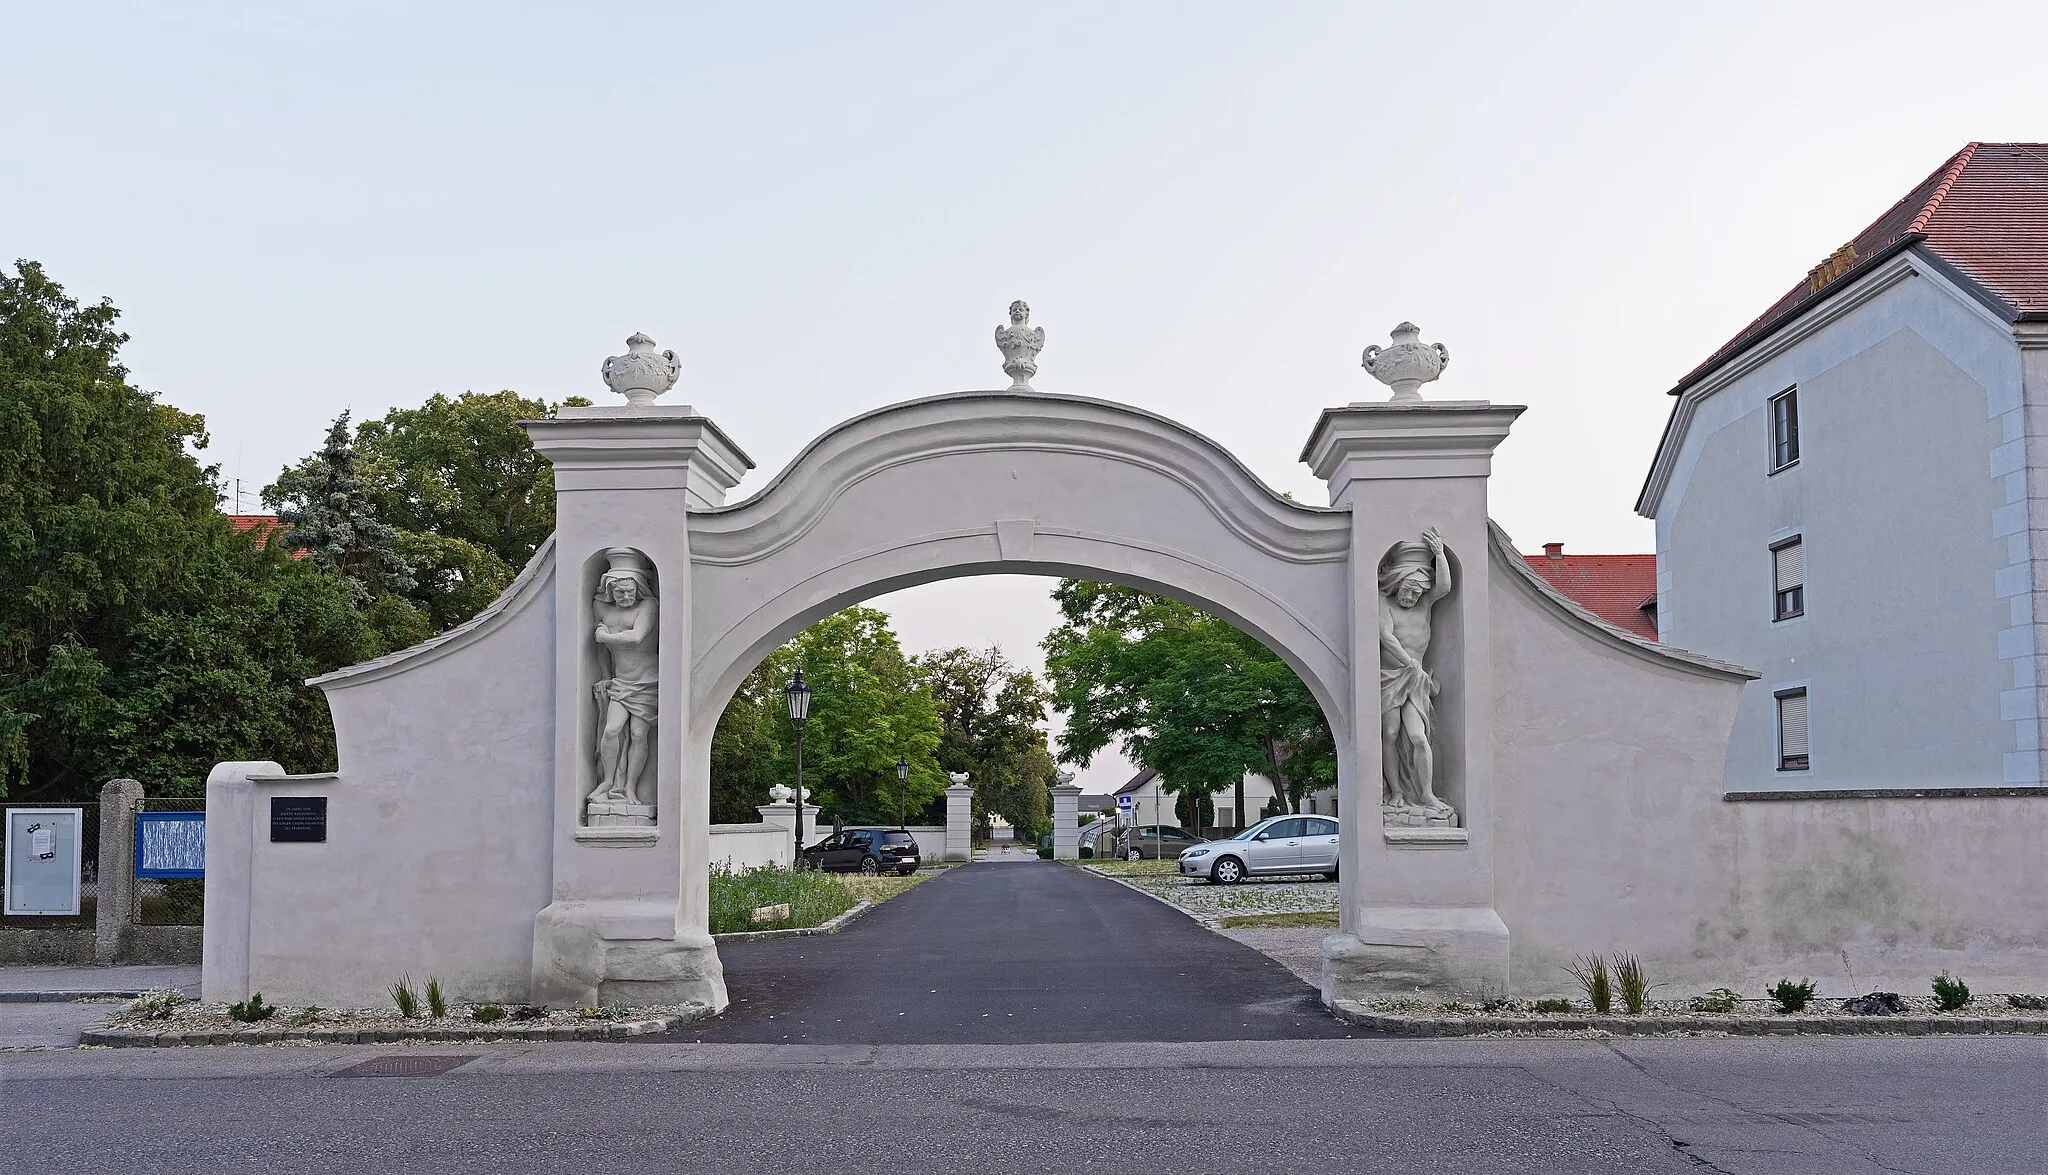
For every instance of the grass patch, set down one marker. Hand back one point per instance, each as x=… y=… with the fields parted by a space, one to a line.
x=814 y=898
x=1296 y=920
x=1130 y=868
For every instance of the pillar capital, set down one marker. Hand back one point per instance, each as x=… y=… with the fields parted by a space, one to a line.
x=640 y=447
x=1409 y=440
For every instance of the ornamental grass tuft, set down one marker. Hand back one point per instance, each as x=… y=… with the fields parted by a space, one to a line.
x=1595 y=980
x=407 y=1000
x=437 y=1001
x=1632 y=982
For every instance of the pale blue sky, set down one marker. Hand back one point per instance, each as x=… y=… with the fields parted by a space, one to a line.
x=1211 y=208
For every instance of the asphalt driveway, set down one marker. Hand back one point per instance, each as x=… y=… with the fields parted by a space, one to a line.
x=1025 y=953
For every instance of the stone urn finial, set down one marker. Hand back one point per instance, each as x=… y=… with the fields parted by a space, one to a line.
x=1408 y=364
x=643 y=372
x=781 y=793
x=1020 y=343
x=1065 y=777
x=958 y=777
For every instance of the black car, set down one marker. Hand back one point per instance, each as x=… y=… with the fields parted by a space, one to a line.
x=864 y=850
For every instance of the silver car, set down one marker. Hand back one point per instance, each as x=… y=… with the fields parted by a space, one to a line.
x=1281 y=844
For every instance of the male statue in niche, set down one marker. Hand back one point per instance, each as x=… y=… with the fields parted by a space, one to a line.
x=1413 y=577
x=626 y=635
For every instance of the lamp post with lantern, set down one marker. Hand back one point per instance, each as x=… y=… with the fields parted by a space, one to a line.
x=799 y=696
x=902 y=782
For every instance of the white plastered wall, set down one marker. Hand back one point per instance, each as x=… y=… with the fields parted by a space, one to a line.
x=1613 y=835
x=1918 y=647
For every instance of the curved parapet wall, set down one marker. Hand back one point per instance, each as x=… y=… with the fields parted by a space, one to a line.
x=437 y=854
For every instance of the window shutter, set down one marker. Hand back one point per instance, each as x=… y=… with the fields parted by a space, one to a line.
x=1791 y=560
x=1792 y=726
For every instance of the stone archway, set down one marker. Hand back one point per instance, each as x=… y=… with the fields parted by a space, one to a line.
x=977 y=483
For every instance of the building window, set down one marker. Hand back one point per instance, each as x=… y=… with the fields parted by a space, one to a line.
x=1788 y=580
x=1784 y=429
x=1792 y=730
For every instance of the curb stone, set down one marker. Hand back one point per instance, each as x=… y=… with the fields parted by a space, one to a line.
x=1400 y=1024
x=62 y=997
x=123 y=1038
x=831 y=927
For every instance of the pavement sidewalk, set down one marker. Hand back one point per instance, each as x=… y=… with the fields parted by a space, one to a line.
x=47 y=984
x=39 y=1008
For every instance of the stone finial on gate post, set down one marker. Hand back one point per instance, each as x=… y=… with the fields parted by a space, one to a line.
x=1407 y=364
x=1020 y=343
x=643 y=372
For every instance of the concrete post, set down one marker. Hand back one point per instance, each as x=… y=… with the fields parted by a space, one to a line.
x=960 y=821
x=1066 y=822
x=1417 y=904
x=114 y=889
x=781 y=816
x=230 y=853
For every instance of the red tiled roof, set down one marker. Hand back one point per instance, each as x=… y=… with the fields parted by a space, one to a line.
x=265 y=525
x=1612 y=587
x=1984 y=212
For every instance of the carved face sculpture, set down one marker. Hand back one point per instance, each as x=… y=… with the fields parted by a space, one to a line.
x=1412 y=589
x=1018 y=313
x=625 y=592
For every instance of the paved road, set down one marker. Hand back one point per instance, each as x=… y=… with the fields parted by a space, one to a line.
x=1030 y=952
x=1742 y=1106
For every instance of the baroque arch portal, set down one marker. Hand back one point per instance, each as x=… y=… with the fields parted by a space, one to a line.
x=994 y=483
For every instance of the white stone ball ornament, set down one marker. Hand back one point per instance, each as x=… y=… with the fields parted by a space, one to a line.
x=1407 y=364
x=643 y=372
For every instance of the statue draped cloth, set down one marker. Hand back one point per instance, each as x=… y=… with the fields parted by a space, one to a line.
x=637 y=697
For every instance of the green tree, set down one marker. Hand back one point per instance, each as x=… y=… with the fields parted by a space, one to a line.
x=868 y=706
x=327 y=510
x=139 y=634
x=1183 y=693
x=460 y=480
x=992 y=717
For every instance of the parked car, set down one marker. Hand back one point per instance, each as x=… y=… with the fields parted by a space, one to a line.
x=864 y=850
x=1156 y=842
x=1281 y=844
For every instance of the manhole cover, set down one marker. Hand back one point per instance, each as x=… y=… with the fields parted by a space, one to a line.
x=418 y=1065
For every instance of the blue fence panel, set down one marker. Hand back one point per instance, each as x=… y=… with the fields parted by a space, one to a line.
x=170 y=844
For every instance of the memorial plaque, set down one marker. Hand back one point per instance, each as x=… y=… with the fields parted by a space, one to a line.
x=298 y=818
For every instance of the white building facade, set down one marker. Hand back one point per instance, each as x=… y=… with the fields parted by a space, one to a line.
x=1843 y=500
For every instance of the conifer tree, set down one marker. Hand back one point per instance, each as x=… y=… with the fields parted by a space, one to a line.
x=331 y=513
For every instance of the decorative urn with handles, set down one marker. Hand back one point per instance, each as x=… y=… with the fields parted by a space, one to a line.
x=1408 y=363
x=643 y=372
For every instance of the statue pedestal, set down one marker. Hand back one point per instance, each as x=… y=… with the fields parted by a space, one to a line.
x=613 y=814
x=1406 y=816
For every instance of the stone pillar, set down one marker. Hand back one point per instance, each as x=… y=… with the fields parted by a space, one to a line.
x=1066 y=822
x=230 y=857
x=629 y=916
x=114 y=885
x=781 y=816
x=960 y=820
x=1417 y=902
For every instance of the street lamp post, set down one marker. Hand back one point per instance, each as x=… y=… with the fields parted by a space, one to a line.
x=902 y=782
x=799 y=696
